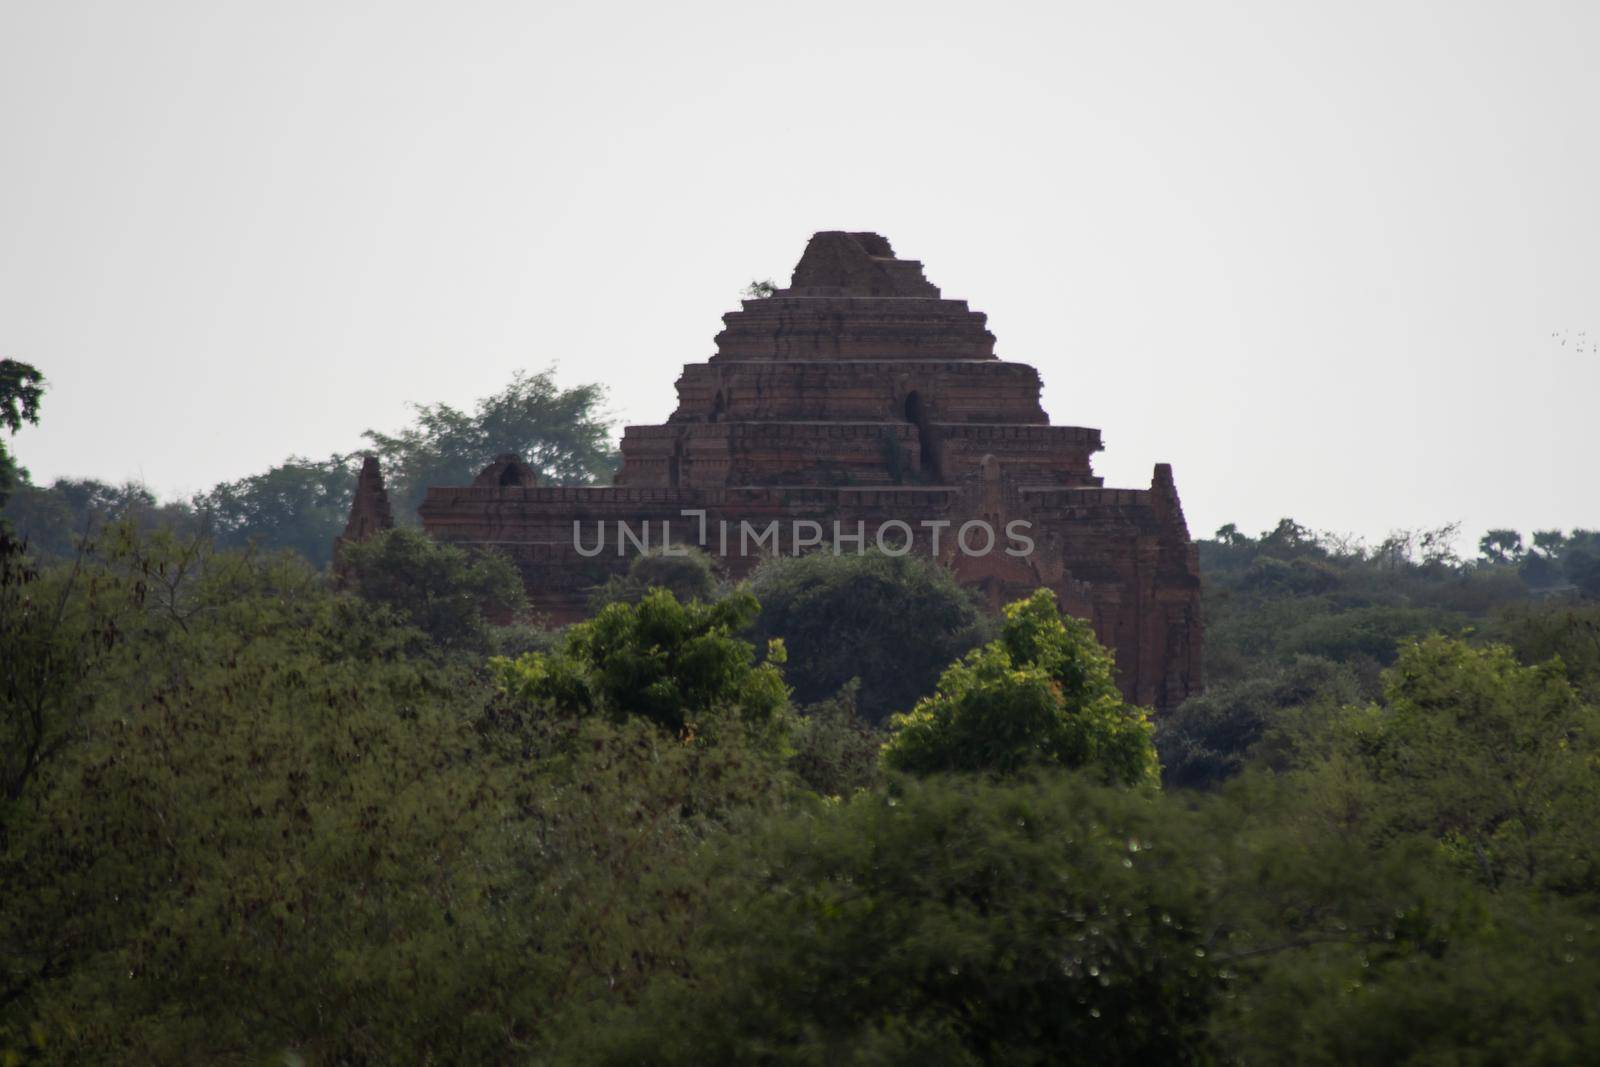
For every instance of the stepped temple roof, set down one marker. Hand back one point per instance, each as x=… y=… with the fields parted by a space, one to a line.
x=860 y=399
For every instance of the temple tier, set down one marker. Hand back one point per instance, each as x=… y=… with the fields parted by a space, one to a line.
x=859 y=401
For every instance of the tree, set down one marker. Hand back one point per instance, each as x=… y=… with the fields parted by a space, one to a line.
x=686 y=572
x=562 y=433
x=1208 y=739
x=1494 y=759
x=835 y=751
x=680 y=666
x=949 y=922
x=1581 y=561
x=1500 y=547
x=1042 y=695
x=300 y=505
x=892 y=622
x=1230 y=535
x=448 y=593
x=328 y=850
x=21 y=388
x=1567 y=632
x=56 y=624
x=56 y=519
x=1489 y=760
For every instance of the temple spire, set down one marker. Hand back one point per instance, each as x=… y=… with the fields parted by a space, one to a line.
x=370 y=513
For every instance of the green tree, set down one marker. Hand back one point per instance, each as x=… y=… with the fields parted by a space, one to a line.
x=1500 y=547
x=562 y=433
x=1581 y=561
x=56 y=624
x=1209 y=738
x=949 y=922
x=1044 y=694
x=835 y=751
x=55 y=519
x=680 y=666
x=893 y=623
x=328 y=850
x=686 y=572
x=1349 y=939
x=300 y=505
x=1570 y=632
x=21 y=388
x=1494 y=759
x=450 y=594
x=1413 y=881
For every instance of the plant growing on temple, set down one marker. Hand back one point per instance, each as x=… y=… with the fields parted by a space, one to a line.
x=1044 y=694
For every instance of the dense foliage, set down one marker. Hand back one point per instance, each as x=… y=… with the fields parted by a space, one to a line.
x=253 y=810
x=1041 y=695
x=676 y=665
x=947 y=922
x=562 y=433
x=448 y=593
x=685 y=572
x=892 y=623
x=21 y=388
x=302 y=503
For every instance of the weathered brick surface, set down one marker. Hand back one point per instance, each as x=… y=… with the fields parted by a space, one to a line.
x=859 y=397
x=369 y=511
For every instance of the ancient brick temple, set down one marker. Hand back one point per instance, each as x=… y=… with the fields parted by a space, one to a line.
x=859 y=404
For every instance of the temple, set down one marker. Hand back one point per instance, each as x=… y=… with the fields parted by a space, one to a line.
x=369 y=514
x=859 y=407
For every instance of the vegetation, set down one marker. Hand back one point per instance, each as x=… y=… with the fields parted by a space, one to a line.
x=1042 y=695
x=448 y=594
x=686 y=572
x=561 y=433
x=21 y=388
x=253 y=812
x=676 y=665
x=892 y=623
x=302 y=503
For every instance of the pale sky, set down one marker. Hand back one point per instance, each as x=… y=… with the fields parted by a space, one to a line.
x=1313 y=255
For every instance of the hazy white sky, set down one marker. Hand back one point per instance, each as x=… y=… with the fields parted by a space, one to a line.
x=1311 y=254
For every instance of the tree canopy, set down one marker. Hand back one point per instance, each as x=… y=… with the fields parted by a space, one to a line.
x=893 y=623
x=1043 y=694
x=21 y=389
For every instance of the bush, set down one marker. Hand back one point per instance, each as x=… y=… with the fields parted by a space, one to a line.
x=1207 y=739
x=1043 y=694
x=446 y=592
x=893 y=622
x=688 y=575
x=835 y=753
x=950 y=922
x=677 y=665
